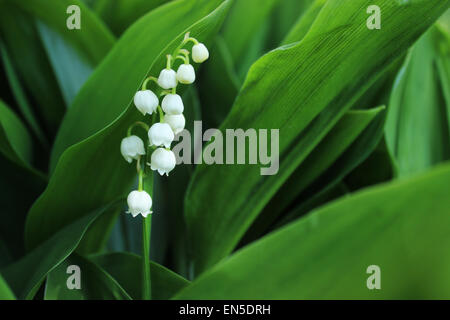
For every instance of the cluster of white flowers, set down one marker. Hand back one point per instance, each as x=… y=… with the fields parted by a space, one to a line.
x=171 y=120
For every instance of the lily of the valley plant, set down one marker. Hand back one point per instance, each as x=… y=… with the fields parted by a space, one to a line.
x=160 y=134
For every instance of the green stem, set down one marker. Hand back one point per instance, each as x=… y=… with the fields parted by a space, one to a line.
x=146 y=233
x=169 y=62
x=137 y=123
x=183 y=58
x=161 y=114
x=144 y=85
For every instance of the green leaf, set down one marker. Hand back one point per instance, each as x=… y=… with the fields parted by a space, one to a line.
x=379 y=167
x=95 y=283
x=105 y=175
x=5 y=291
x=246 y=16
x=326 y=254
x=26 y=275
x=20 y=97
x=359 y=156
x=337 y=141
x=70 y=69
x=93 y=41
x=286 y=15
x=126 y=268
x=15 y=141
x=218 y=94
x=302 y=26
x=417 y=129
x=120 y=14
x=20 y=183
x=27 y=66
x=292 y=89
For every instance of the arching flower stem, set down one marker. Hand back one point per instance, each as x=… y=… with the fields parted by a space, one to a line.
x=144 y=85
x=136 y=124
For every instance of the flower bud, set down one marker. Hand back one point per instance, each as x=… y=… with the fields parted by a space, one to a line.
x=163 y=161
x=186 y=74
x=146 y=101
x=200 y=53
x=172 y=104
x=139 y=202
x=167 y=79
x=131 y=148
x=176 y=122
x=160 y=134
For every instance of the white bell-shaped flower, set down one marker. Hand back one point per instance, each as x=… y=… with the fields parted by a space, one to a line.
x=146 y=101
x=139 y=202
x=160 y=134
x=186 y=74
x=172 y=104
x=163 y=161
x=131 y=148
x=200 y=53
x=176 y=122
x=167 y=79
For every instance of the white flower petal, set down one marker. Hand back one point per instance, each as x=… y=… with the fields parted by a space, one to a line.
x=177 y=122
x=186 y=74
x=131 y=148
x=160 y=134
x=163 y=161
x=200 y=53
x=139 y=202
x=167 y=79
x=146 y=101
x=172 y=104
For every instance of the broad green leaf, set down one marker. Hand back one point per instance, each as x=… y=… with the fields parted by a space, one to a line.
x=379 y=167
x=120 y=14
x=15 y=141
x=27 y=66
x=26 y=275
x=417 y=129
x=70 y=69
x=93 y=41
x=93 y=172
x=293 y=89
x=20 y=183
x=246 y=16
x=337 y=141
x=302 y=26
x=95 y=283
x=326 y=254
x=287 y=13
x=126 y=269
x=332 y=182
x=5 y=291
x=20 y=97
x=217 y=95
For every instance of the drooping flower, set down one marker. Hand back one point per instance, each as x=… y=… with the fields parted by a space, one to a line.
x=139 y=202
x=186 y=74
x=131 y=148
x=167 y=79
x=200 y=53
x=176 y=122
x=160 y=134
x=172 y=104
x=163 y=161
x=146 y=101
